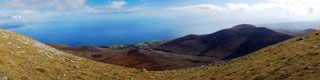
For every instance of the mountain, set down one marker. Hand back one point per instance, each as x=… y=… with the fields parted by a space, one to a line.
x=23 y=58
x=158 y=60
x=225 y=44
x=294 y=59
x=298 y=25
x=137 y=58
x=296 y=32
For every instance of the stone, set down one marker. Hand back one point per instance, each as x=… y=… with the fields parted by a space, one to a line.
x=40 y=51
x=49 y=56
x=72 y=71
x=9 y=42
x=5 y=37
x=76 y=66
x=314 y=46
x=4 y=78
x=299 y=39
x=301 y=42
x=144 y=70
x=309 y=67
x=248 y=71
x=20 y=52
x=269 y=64
x=64 y=75
x=19 y=47
x=72 y=61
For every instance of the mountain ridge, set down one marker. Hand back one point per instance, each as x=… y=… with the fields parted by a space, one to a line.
x=225 y=44
x=296 y=33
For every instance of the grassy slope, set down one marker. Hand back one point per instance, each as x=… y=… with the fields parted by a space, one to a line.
x=37 y=61
x=287 y=60
x=291 y=59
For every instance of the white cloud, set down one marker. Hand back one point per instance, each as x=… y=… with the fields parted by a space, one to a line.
x=239 y=7
x=134 y=9
x=116 y=7
x=41 y=10
x=271 y=8
x=44 y=4
x=117 y=4
x=203 y=7
x=13 y=17
x=27 y=12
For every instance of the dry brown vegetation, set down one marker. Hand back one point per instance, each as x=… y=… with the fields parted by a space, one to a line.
x=90 y=52
x=139 y=58
x=23 y=58
x=158 y=61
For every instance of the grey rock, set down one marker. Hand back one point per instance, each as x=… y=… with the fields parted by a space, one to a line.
x=76 y=66
x=314 y=46
x=4 y=78
x=144 y=70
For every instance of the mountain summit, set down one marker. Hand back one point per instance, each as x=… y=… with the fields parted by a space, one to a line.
x=243 y=26
x=225 y=44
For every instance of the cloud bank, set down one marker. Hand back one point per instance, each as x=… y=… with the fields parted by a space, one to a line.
x=24 y=10
x=271 y=8
x=44 y=4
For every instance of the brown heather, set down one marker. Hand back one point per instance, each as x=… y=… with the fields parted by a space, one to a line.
x=24 y=58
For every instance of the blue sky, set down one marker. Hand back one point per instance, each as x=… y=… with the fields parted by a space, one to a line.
x=189 y=16
x=110 y=22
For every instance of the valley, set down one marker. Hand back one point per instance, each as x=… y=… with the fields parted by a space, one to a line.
x=25 y=58
x=185 y=52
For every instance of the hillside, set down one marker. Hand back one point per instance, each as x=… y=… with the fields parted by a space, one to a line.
x=90 y=52
x=158 y=60
x=137 y=58
x=24 y=58
x=294 y=59
x=225 y=44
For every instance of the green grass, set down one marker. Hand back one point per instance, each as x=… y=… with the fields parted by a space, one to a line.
x=42 y=63
x=290 y=59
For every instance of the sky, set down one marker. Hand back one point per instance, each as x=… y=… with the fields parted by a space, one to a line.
x=186 y=16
